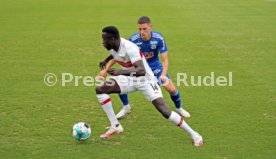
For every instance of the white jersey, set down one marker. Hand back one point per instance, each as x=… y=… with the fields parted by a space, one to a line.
x=128 y=54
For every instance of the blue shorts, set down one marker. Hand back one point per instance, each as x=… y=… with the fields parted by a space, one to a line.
x=157 y=73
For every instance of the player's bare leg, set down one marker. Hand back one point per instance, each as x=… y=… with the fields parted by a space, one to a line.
x=161 y=106
x=102 y=92
x=171 y=89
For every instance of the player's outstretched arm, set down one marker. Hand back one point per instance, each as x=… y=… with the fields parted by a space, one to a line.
x=165 y=63
x=103 y=72
x=103 y=63
x=110 y=64
x=138 y=70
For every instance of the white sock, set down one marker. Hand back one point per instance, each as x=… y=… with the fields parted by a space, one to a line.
x=178 y=120
x=127 y=105
x=106 y=103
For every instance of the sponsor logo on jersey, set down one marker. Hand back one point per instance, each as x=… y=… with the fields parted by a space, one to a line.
x=148 y=55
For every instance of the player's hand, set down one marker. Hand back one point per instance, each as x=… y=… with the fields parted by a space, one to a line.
x=114 y=72
x=102 y=65
x=164 y=79
x=102 y=74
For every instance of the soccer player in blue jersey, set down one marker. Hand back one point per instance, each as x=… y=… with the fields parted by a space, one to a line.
x=152 y=43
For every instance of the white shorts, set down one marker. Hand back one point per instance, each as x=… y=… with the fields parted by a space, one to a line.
x=148 y=86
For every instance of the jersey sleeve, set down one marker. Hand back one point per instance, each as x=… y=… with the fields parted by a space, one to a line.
x=134 y=37
x=134 y=54
x=162 y=47
x=130 y=39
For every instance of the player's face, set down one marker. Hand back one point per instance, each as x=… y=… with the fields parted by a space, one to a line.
x=145 y=31
x=107 y=41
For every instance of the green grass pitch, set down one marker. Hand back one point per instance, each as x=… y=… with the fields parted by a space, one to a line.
x=203 y=36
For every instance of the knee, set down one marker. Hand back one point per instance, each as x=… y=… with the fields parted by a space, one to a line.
x=99 y=90
x=170 y=90
x=163 y=109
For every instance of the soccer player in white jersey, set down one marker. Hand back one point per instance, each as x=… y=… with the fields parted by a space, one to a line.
x=135 y=75
x=152 y=44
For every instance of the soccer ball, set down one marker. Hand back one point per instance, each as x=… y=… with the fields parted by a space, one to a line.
x=81 y=131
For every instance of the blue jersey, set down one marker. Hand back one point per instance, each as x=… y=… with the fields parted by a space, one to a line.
x=151 y=49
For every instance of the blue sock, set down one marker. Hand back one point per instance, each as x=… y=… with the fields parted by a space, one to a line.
x=176 y=99
x=124 y=98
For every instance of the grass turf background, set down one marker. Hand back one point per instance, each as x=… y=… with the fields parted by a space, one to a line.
x=37 y=37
